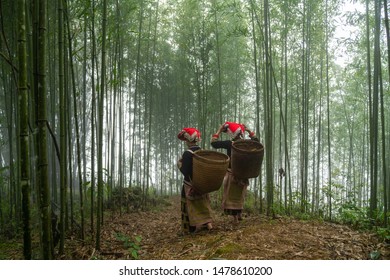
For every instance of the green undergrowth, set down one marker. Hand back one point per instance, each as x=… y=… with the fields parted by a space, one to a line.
x=10 y=250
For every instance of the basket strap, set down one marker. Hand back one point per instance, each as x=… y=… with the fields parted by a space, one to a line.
x=187 y=183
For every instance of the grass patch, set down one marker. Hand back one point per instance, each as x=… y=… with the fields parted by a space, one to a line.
x=227 y=250
x=11 y=251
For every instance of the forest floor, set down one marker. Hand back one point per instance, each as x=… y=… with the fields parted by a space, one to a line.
x=155 y=235
x=256 y=237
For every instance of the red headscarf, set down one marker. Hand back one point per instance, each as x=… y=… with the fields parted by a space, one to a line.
x=189 y=133
x=234 y=129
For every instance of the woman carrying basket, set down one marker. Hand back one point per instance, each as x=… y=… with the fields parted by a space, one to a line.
x=195 y=207
x=234 y=189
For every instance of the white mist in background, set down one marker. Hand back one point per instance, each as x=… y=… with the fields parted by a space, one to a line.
x=345 y=31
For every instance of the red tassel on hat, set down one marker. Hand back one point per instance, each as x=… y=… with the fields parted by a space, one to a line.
x=189 y=133
x=234 y=129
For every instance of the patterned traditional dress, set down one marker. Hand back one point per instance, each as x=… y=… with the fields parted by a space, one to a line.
x=234 y=189
x=195 y=207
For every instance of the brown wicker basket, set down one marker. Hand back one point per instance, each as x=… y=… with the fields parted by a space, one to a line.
x=247 y=157
x=209 y=169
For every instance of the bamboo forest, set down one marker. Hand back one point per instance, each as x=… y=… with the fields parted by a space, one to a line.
x=93 y=94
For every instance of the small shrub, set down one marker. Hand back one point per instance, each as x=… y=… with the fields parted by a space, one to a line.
x=384 y=233
x=133 y=245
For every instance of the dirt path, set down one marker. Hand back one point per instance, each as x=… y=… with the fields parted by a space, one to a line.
x=256 y=237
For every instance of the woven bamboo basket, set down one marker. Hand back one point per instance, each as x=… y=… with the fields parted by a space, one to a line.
x=209 y=169
x=247 y=157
